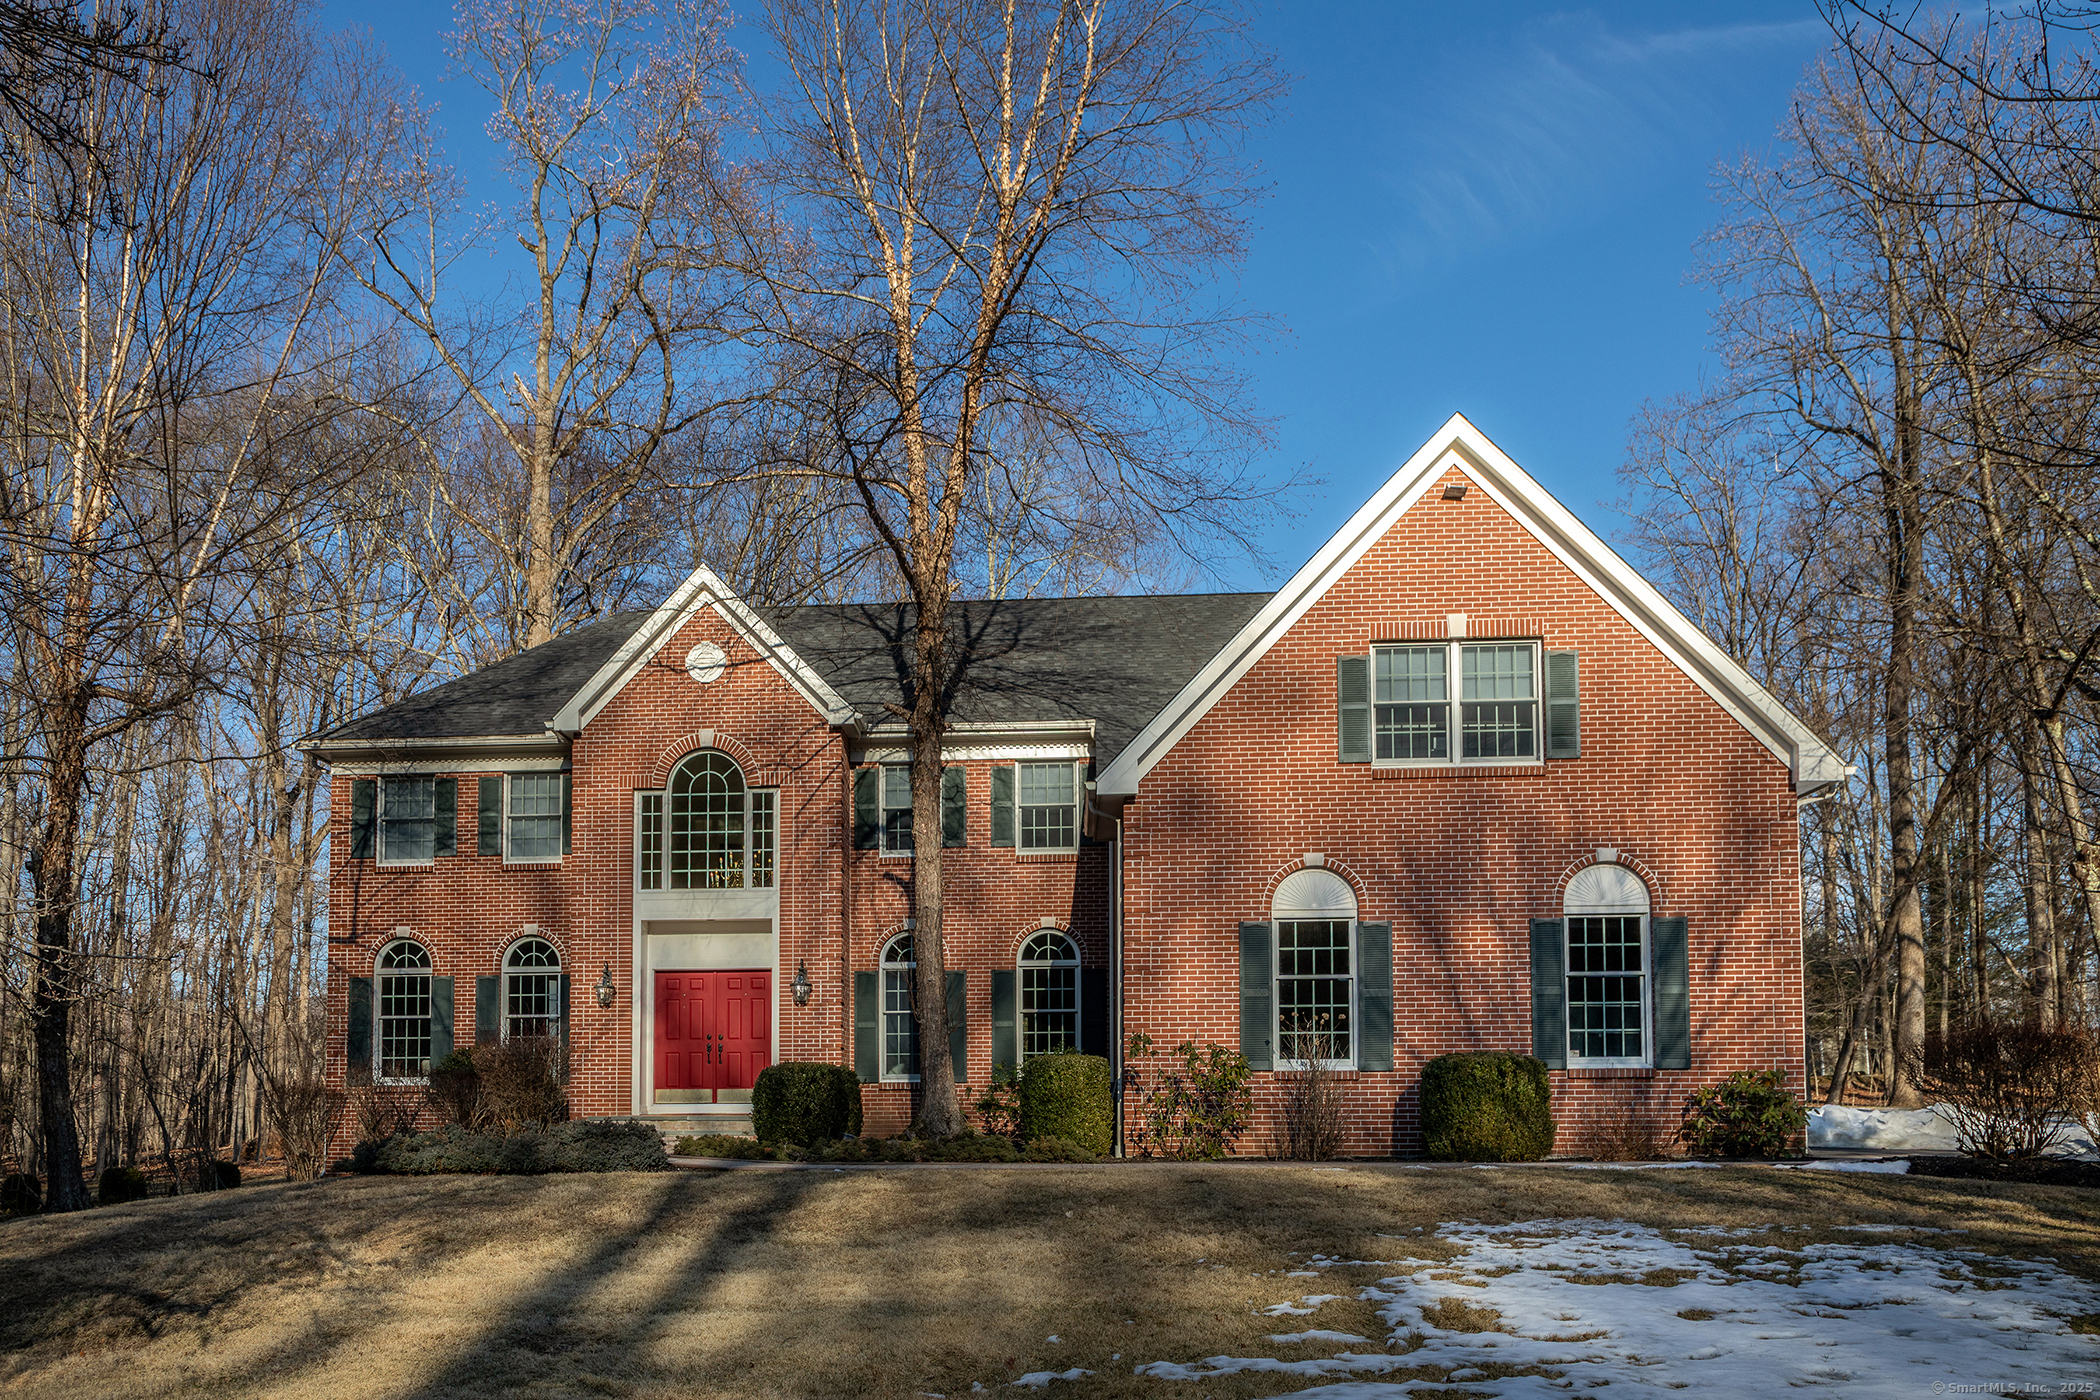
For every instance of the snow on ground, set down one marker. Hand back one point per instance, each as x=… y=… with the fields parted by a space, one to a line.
x=1731 y=1312
x=1835 y=1126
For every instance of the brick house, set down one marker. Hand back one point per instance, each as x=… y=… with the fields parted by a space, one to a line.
x=1465 y=781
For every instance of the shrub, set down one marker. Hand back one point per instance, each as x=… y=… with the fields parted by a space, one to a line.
x=1312 y=1101
x=999 y=1106
x=221 y=1176
x=1067 y=1096
x=1748 y=1114
x=1486 y=1106
x=801 y=1102
x=740 y=1149
x=120 y=1184
x=301 y=1111
x=591 y=1145
x=1195 y=1113
x=1057 y=1149
x=20 y=1194
x=1621 y=1132
x=2011 y=1091
x=520 y=1082
x=380 y=1110
x=455 y=1091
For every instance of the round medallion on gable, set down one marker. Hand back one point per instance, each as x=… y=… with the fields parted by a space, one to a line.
x=706 y=662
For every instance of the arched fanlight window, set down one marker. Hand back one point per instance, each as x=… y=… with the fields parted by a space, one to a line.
x=1315 y=914
x=1608 y=996
x=404 y=1011
x=707 y=830
x=900 y=1028
x=1049 y=994
x=531 y=989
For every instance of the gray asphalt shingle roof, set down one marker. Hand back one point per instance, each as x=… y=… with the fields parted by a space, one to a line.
x=1116 y=661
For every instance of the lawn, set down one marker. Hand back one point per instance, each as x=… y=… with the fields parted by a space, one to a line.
x=904 y=1282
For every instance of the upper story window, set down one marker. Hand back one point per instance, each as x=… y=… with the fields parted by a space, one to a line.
x=1049 y=807
x=1493 y=718
x=896 y=809
x=706 y=830
x=531 y=989
x=1609 y=1003
x=1049 y=994
x=900 y=1027
x=533 y=821
x=407 y=819
x=404 y=1011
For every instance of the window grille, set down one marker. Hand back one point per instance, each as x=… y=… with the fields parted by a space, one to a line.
x=535 y=817
x=900 y=1028
x=762 y=827
x=1606 y=988
x=1413 y=701
x=1496 y=718
x=1498 y=702
x=706 y=843
x=896 y=809
x=404 y=1012
x=407 y=819
x=1049 y=994
x=1315 y=989
x=1049 y=816
x=532 y=989
x=652 y=841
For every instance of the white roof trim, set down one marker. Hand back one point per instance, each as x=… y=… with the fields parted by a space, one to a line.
x=703 y=589
x=1810 y=762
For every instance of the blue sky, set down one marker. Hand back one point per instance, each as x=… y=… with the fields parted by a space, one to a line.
x=1484 y=208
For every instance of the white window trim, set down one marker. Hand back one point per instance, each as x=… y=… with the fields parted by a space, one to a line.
x=1323 y=916
x=508 y=972
x=1454 y=741
x=507 y=842
x=1646 y=1059
x=883 y=966
x=883 y=810
x=664 y=852
x=379 y=856
x=1077 y=804
x=1021 y=992
x=378 y=1000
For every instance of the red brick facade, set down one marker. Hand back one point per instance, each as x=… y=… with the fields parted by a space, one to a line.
x=1457 y=858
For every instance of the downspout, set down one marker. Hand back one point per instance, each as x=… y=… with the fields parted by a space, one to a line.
x=1115 y=966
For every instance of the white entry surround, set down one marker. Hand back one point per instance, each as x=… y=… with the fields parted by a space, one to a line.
x=672 y=945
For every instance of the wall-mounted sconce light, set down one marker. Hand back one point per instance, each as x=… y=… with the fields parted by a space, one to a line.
x=606 y=990
x=801 y=984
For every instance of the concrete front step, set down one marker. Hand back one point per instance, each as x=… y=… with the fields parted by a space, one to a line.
x=726 y=1125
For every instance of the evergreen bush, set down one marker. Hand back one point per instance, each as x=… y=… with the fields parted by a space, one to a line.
x=21 y=1194
x=800 y=1102
x=1748 y=1114
x=589 y=1145
x=1066 y=1096
x=223 y=1176
x=1486 y=1106
x=120 y=1184
x=1057 y=1149
x=738 y=1149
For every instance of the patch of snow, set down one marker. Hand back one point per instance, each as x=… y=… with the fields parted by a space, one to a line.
x=1638 y=1166
x=1311 y=1304
x=1315 y=1335
x=1036 y=1380
x=1867 y=1318
x=1836 y=1126
x=1899 y=1167
x=1052 y=1337
x=1303 y=1273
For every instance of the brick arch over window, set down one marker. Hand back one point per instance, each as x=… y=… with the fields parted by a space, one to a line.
x=510 y=940
x=1327 y=863
x=1620 y=856
x=675 y=752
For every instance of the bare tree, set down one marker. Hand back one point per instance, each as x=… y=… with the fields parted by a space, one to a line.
x=985 y=215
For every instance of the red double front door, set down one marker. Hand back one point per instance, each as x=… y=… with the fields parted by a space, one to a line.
x=714 y=1033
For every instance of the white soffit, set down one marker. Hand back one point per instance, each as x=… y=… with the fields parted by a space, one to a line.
x=703 y=589
x=1810 y=762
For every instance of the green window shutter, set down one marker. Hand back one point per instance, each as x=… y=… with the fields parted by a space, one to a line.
x=1006 y=1037
x=955 y=806
x=561 y=1010
x=489 y=824
x=440 y=1019
x=1257 y=996
x=1093 y=1011
x=1003 y=805
x=867 y=809
x=1374 y=995
x=1669 y=943
x=959 y=1024
x=1563 y=707
x=364 y=817
x=1352 y=719
x=568 y=792
x=360 y=1050
x=444 y=825
x=867 y=1026
x=488 y=1009
x=1549 y=992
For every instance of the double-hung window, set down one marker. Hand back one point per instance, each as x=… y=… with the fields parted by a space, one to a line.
x=1049 y=994
x=1610 y=1000
x=534 y=818
x=407 y=819
x=531 y=990
x=404 y=1012
x=1493 y=718
x=1049 y=807
x=900 y=1028
x=896 y=809
x=1315 y=990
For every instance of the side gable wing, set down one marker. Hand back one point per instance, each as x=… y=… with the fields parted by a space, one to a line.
x=703 y=589
x=1810 y=761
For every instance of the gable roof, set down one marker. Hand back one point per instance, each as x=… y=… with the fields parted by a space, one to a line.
x=1810 y=761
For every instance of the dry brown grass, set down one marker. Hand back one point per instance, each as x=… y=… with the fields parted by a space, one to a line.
x=891 y=1282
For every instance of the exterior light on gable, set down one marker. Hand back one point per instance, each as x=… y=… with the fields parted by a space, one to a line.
x=801 y=984
x=1455 y=491
x=606 y=990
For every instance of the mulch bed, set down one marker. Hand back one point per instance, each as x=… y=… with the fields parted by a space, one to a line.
x=2038 y=1171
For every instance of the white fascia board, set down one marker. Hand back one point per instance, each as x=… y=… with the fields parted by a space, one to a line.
x=983 y=739
x=1810 y=762
x=498 y=746
x=703 y=589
